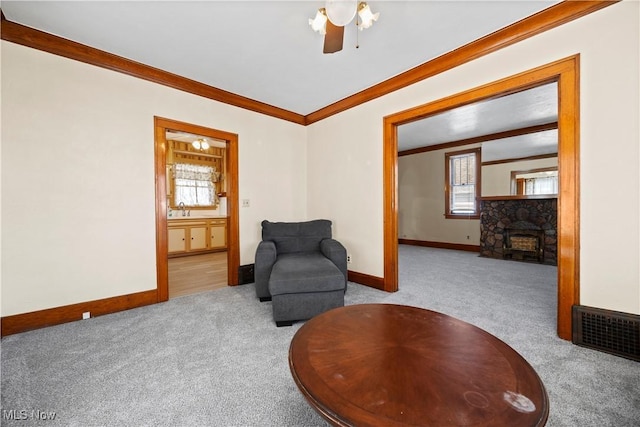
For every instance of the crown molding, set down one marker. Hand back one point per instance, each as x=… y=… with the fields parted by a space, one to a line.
x=544 y=20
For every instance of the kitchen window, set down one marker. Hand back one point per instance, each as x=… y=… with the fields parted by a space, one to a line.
x=194 y=185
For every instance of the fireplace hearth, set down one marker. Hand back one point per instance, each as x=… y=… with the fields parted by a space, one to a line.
x=519 y=228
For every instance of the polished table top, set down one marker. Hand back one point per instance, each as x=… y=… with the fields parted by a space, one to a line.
x=384 y=364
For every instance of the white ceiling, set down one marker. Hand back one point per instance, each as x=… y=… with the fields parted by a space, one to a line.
x=265 y=50
x=531 y=107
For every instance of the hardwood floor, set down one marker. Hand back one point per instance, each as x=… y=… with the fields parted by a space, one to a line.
x=197 y=273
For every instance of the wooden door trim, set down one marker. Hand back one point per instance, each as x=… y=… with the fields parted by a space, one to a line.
x=161 y=125
x=566 y=73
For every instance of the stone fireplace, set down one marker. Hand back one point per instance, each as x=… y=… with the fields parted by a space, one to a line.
x=519 y=228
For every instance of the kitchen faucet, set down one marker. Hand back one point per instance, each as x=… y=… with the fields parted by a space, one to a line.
x=181 y=207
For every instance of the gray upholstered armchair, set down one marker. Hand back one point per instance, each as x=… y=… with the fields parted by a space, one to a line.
x=301 y=269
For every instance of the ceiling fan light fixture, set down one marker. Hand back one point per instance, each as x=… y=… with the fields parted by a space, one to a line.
x=319 y=23
x=367 y=17
x=332 y=19
x=341 y=12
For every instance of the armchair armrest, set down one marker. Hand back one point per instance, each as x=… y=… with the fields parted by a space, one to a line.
x=265 y=258
x=337 y=253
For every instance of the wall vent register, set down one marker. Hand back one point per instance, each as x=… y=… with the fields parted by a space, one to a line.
x=608 y=331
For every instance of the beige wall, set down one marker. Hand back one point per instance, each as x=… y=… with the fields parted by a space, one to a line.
x=608 y=42
x=421 y=183
x=1 y=272
x=78 y=219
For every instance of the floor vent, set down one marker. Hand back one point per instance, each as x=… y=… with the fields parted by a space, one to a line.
x=609 y=331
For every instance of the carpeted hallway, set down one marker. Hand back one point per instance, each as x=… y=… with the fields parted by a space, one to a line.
x=217 y=359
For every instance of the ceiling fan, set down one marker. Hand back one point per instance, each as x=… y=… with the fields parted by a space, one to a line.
x=331 y=20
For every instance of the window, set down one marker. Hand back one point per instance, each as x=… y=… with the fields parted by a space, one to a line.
x=462 y=184
x=535 y=182
x=194 y=185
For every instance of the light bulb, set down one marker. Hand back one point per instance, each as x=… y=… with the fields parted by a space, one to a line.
x=341 y=12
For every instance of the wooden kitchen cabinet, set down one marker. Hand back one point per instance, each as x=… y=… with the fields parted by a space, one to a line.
x=198 y=238
x=193 y=236
x=177 y=237
x=218 y=234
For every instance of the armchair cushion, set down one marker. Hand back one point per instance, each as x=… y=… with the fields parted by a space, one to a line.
x=292 y=237
x=305 y=272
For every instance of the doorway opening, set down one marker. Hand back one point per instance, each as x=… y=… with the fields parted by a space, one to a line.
x=196 y=226
x=566 y=73
x=197 y=213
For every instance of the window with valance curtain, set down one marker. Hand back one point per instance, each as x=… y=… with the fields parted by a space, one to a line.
x=194 y=184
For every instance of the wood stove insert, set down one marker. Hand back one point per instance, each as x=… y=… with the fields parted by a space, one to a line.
x=523 y=243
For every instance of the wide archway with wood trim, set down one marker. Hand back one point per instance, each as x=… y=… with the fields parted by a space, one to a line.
x=565 y=73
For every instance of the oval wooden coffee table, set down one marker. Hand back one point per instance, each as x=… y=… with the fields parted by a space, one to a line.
x=393 y=365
